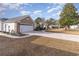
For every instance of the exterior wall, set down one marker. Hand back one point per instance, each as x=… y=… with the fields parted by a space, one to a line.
x=74 y=27
x=14 y=26
x=17 y=27
x=0 y=26
x=26 y=21
x=9 y=27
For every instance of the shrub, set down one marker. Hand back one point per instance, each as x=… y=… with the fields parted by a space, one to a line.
x=39 y=28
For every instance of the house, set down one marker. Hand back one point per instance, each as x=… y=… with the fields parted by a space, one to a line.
x=74 y=27
x=16 y=25
x=52 y=26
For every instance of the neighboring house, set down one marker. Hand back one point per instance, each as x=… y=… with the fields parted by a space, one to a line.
x=75 y=27
x=50 y=26
x=16 y=25
x=53 y=26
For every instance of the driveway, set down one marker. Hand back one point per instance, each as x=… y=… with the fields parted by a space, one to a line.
x=62 y=36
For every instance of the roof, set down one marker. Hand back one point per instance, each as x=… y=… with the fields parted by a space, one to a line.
x=15 y=19
x=3 y=19
x=21 y=20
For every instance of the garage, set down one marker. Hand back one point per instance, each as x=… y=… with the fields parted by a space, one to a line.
x=21 y=24
x=25 y=28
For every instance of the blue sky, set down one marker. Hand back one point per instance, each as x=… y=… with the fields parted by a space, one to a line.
x=44 y=10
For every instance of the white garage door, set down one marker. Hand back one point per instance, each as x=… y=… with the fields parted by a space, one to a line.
x=25 y=28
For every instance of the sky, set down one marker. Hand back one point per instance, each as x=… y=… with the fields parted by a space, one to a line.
x=43 y=10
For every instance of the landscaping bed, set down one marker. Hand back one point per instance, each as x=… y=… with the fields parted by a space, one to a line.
x=14 y=34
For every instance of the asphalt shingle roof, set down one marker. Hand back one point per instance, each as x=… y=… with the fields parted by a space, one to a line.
x=15 y=19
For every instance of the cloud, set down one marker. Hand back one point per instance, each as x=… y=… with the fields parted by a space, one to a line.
x=23 y=12
x=13 y=6
x=8 y=6
x=37 y=12
x=50 y=10
x=48 y=7
x=77 y=11
x=59 y=12
x=54 y=9
x=56 y=15
x=2 y=9
x=27 y=4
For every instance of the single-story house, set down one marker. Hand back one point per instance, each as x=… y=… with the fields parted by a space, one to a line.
x=74 y=27
x=19 y=24
x=50 y=26
x=53 y=26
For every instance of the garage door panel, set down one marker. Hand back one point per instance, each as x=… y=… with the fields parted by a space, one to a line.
x=25 y=28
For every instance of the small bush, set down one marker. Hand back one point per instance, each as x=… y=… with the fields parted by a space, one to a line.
x=39 y=28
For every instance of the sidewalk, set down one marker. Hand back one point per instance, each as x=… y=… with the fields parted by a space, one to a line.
x=11 y=36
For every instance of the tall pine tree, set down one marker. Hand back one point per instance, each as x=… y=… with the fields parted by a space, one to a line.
x=68 y=15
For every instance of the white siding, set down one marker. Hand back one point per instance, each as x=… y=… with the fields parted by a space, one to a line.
x=25 y=28
x=74 y=27
x=8 y=27
x=0 y=26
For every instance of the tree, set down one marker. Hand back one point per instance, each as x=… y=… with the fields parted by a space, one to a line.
x=49 y=22
x=68 y=15
x=39 y=22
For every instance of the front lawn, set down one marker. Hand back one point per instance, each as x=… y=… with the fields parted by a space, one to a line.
x=37 y=45
x=64 y=45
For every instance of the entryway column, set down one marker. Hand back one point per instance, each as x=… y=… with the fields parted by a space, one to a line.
x=17 y=28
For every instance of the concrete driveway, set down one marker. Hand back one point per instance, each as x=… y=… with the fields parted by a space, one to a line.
x=62 y=36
